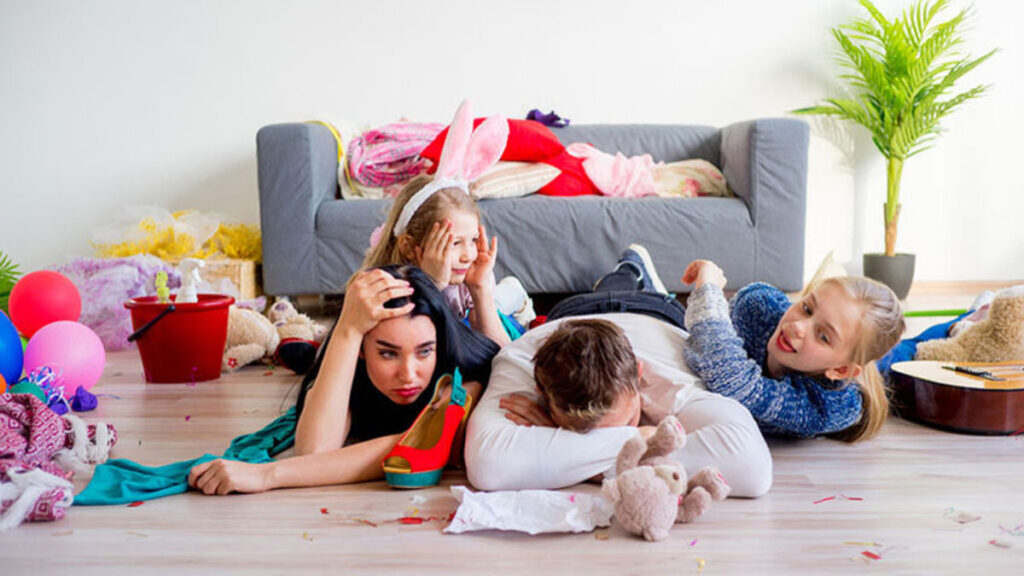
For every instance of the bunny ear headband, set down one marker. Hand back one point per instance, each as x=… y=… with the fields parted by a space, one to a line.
x=465 y=156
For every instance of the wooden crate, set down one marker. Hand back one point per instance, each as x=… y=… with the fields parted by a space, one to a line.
x=246 y=275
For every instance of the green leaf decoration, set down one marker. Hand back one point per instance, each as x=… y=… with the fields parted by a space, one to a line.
x=9 y=275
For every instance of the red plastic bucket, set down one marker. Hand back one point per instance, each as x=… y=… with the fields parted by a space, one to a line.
x=185 y=345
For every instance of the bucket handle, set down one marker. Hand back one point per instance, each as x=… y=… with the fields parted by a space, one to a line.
x=138 y=333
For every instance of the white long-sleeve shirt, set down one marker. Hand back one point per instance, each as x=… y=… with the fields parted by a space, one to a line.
x=501 y=455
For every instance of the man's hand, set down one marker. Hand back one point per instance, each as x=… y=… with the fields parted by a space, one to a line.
x=525 y=411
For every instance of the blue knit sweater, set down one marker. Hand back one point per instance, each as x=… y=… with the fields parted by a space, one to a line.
x=729 y=355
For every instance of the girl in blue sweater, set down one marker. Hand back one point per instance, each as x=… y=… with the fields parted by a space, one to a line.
x=802 y=369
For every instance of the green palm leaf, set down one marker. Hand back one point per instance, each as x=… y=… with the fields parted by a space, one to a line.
x=9 y=274
x=902 y=71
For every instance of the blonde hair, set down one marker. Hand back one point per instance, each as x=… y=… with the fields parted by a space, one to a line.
x=882 y=327
x=390 y=250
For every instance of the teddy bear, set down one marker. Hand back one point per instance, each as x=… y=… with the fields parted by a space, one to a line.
x=251 y=336
x=289 y=338
x=998 y=337
x=651 y=491
x=301 y=337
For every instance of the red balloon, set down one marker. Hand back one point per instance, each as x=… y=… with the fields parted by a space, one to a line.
x=43 y=297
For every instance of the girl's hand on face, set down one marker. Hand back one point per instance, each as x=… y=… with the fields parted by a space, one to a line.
x=434 y=255
x=701 y=272
x=482 y=269
x=524 y=411
x=225 y=476
x=364 y=302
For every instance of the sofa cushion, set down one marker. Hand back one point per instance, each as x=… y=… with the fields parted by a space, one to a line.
x=528 y=141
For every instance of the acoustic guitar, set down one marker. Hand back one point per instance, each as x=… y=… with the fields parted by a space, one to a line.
x=967 y=397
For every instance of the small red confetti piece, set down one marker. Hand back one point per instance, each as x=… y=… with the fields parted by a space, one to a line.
x=323 y=510
x=572 y=498
x=825 y=499
x=271 y=373
x=411 y=520
x=871 y=555
x=136 y=504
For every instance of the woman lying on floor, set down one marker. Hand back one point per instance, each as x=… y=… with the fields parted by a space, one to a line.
x=394 y=339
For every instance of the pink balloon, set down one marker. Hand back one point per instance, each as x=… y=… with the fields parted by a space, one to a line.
x=71 y=350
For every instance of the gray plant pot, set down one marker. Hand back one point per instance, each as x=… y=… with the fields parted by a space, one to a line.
x=896 y=272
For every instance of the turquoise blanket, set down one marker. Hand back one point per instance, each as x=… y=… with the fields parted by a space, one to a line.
x=123 y=481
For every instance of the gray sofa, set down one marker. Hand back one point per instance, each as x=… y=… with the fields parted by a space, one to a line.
x=313 y=241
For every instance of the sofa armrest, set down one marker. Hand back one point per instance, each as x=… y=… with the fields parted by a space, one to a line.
x=765 y=163
x=298 y=171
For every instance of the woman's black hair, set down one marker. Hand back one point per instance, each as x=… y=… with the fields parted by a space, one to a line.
x=458 y=346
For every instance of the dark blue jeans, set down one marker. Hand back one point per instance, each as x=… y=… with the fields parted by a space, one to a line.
x=619 y=291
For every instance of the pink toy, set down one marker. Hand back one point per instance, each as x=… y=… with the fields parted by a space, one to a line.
x=71 y=350
x=43 y=297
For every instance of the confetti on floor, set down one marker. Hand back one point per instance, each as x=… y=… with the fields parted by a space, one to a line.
x=136 y=504
x=1000 y=543
x=700 y=564
x=187 y=418
x=306 y=536
x=114 y=396
x=839 y=497
x=960 y=516
x=601 y=534
x=323 y=510
x=694 y=542
x=1017 y=530
x=870 y=554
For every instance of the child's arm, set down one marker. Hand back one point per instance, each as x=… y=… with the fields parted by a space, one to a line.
x=480 y=280
x=323 y=425
x=794 y=404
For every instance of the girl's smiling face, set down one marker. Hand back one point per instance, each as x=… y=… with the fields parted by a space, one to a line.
x=465 y=230
x=817 y=336
x=400 y=355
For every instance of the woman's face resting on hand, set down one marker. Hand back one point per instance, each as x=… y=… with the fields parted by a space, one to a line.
x=400 y=356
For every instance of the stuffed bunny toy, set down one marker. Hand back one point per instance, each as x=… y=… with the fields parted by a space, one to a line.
x=651 y=492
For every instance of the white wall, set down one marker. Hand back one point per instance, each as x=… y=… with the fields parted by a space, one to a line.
x=110 y=103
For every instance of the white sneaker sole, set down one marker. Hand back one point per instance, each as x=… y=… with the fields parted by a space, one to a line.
x=649 y=266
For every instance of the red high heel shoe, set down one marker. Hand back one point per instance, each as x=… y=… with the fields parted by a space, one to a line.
x=421 y=455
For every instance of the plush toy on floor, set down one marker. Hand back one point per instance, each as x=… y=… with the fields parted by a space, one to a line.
x=651 y=491
x=251 y=336
x=289 y=338
x=300 y=336
x=999 y=337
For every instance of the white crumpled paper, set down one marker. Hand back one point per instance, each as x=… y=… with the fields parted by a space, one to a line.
x=530 y=511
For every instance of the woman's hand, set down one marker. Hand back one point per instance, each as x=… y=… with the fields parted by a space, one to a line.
x=525 y=411
x=701 y=272
x=364 y=300
x=434 y=255
x=481 y=271
x=226 y=476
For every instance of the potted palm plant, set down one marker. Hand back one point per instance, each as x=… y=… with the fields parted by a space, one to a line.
x=902 y=72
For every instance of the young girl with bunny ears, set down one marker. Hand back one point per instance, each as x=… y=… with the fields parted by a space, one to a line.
x=435 y=224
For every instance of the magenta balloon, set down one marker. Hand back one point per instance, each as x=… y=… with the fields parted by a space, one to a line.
x=71 y=350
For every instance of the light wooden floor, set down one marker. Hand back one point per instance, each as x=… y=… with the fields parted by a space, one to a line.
x=896 y=497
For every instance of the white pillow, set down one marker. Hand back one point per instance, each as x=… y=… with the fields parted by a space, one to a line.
x=512 y=179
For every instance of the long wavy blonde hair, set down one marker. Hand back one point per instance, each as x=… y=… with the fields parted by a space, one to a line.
x=882 y=327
